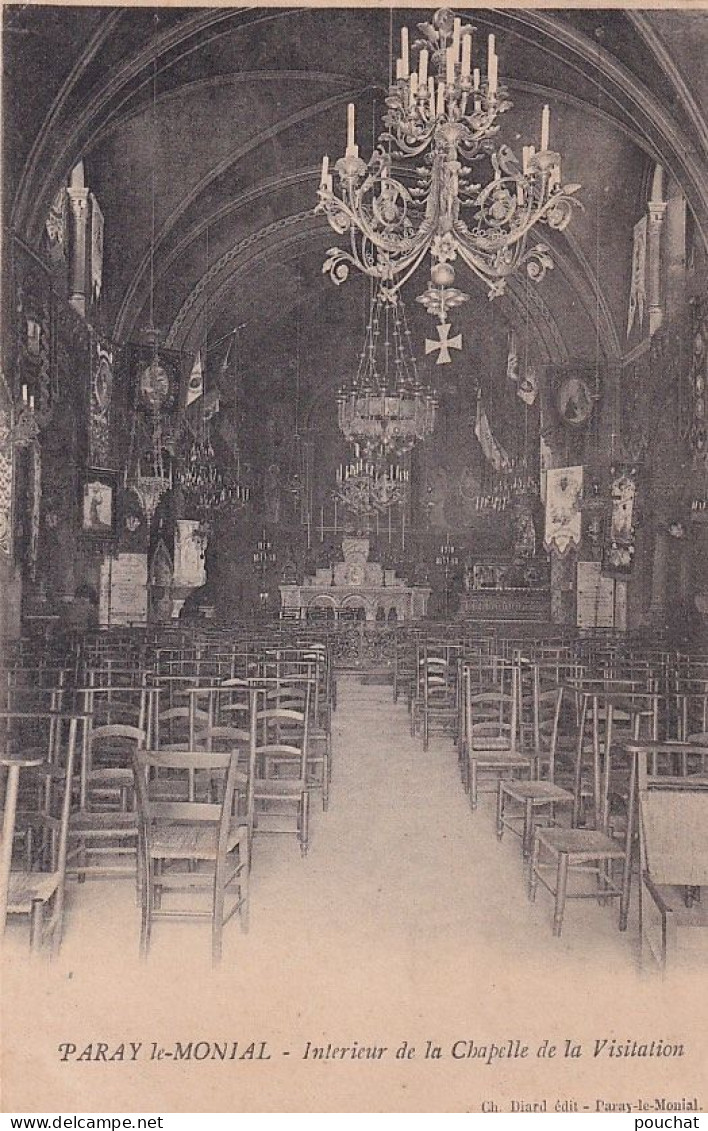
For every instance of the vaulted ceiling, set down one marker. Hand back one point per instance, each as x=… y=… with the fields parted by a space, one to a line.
x=231 y=109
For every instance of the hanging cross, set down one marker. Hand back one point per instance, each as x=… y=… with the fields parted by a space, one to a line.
x=445 y=344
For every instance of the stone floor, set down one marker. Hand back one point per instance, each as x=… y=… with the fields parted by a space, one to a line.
x=407 y=922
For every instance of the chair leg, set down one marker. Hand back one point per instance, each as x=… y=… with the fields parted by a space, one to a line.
x=304 y=822
x=533 y=871
x=528 y=829
x=244 y=888
x=146 y=909
x=36 y=924
x=473 y=783
x=500 y=809
x=561 y=891
x=217 y=921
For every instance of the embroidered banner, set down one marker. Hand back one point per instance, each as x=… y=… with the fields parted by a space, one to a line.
x=97 y=227
x=638 y=288
x=100 y=403
x=564 y=491
x=619 y=548
x=56 y=222
x=195 y=385
x=494 y=453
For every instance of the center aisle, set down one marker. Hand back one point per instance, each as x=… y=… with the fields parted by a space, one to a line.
x=406 y=922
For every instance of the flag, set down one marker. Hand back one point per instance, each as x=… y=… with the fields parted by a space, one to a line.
x=494 y=453
x=638 y=288
x=97 y=226
x=512 y=359
x=528 y=387
x=195 y=386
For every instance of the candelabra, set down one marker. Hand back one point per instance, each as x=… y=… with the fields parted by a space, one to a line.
x=366 y=487
x=447 y=560
x=445 y=120
x=264 y=556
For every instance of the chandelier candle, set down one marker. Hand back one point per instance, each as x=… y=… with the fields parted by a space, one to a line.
x=443 y=121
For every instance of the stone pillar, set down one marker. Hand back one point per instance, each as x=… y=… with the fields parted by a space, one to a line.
x=657 y=211
x=78 y=201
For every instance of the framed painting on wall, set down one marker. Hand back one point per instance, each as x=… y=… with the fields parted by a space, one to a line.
x=98 y=503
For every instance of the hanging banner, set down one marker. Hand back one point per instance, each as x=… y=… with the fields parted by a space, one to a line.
x=494 y=453
x=527 y=388
x=56 y=224
x=97 y=228
x=100 y=403
x=195 y=385
x=638 y=287
x=564 y=492
x=512 y=358
x=619 y=547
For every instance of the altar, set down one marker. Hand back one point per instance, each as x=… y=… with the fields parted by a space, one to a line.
x=356 y=584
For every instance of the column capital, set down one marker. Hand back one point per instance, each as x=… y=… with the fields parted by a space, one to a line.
x=656 y=210
x=78 y=198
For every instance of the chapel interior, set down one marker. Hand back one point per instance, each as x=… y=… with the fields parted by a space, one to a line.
x=353 y=484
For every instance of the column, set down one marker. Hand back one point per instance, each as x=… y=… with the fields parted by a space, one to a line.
x=657 y=211
x=78 y=202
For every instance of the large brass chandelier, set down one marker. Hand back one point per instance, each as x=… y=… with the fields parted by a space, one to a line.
x=385 y=408
x=443 y=113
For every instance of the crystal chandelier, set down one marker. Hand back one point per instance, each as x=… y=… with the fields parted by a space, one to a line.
x=444 y=120
x=207 y=489
x=366 y=486
x=386 y=408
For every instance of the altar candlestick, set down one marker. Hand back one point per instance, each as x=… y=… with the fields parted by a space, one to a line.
x=352 y=148
x=405 y=58
x=335 y=516
x=423 y=67
x=321 y=524
x=325 y=171
x=466 y=55
x=545 y=127
x=389 y=526
x=441 y=100
x=456 y=25
x=24 y=394
x=450 y=67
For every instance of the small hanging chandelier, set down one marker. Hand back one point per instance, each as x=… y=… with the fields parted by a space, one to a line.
x=367 y=486
x=209 y=490
x=386 y=408
x=444 y=120
x=149 y=475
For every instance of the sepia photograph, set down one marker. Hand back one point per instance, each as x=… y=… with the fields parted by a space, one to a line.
x=353 y=542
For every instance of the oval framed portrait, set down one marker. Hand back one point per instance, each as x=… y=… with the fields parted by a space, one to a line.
x=575 y=401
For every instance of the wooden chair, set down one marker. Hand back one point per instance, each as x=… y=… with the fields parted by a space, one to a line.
x=673 y=839
x=191 y=846
x=589 y=851
x=492 y=733
x=104 y=828
x=33 y=890
x=435 y=700
x=538 y=798
x=279 y=740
